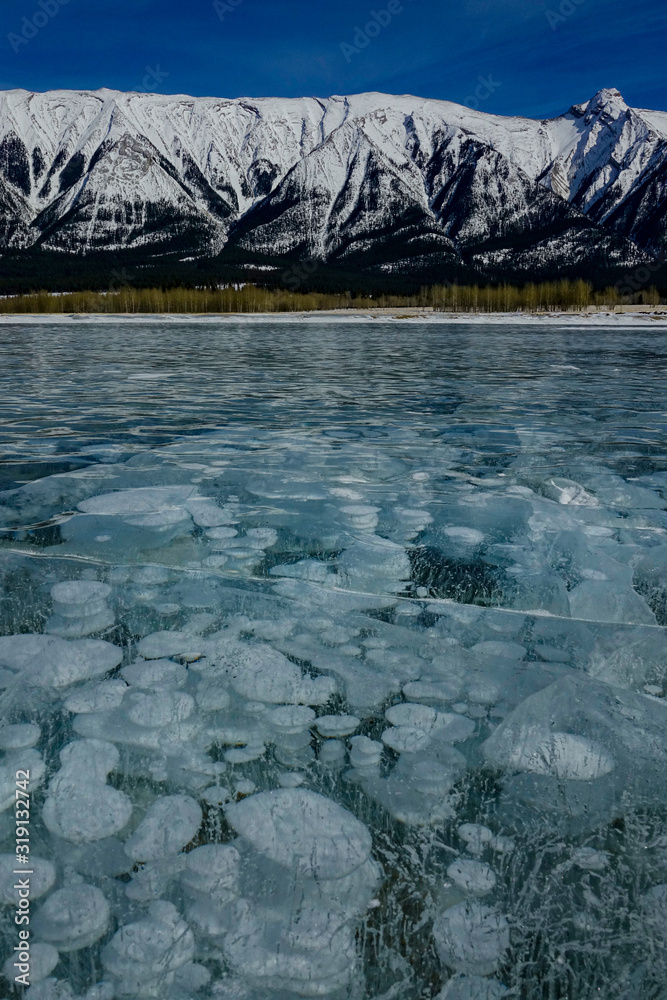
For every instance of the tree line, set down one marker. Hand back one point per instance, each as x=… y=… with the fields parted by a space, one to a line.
x=550 y=296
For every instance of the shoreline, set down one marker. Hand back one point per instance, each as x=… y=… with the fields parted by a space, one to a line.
x=642 y=317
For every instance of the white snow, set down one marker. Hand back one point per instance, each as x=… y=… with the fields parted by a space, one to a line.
x=599 y=320
x=597 y=153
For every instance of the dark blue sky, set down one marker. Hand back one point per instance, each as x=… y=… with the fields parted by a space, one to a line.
x=540 y=56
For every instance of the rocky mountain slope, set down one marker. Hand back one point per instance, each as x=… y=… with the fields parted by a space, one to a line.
x=371 y=182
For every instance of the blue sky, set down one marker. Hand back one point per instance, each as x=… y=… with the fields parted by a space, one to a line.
x=540 y=56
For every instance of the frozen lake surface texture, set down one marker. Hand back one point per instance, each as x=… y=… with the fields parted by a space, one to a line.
x=336 y=655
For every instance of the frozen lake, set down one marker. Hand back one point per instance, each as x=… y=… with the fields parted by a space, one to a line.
x=336 y=654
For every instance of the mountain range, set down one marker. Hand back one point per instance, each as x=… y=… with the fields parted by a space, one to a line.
x=373 y=184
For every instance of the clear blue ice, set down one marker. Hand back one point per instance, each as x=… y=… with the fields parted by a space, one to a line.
x=336 y=653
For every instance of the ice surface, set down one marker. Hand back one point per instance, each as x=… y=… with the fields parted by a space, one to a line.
x=406 y=739
x=43 y=960
x=72 y=918
x=80 y=807
x=170 y=823
x=302 y=830
x=315 y=954
x=47 y=661
x=259 y=673
x=19 y=736
x=155 y=674
x=372 y=705
x=475 y=878
x=337 y=725
x=27 y=760
x=617 y=762
x=42 y=878
x=654 y=906
x=166 y=644
x=475 y=835
x=80 y=607
x=146 y=500
x=143 y=957
x=472 y=988
x=79 y=593
x=416 y=792
x=472 y=938
x=559 y=754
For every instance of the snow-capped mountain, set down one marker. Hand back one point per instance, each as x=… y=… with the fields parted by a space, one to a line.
x=371 y=181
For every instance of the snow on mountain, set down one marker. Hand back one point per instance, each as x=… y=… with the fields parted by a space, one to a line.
x=372 y=179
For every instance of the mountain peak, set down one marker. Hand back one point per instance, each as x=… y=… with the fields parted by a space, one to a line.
x=609 y=94
x=607 y=101
x=407 y=184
